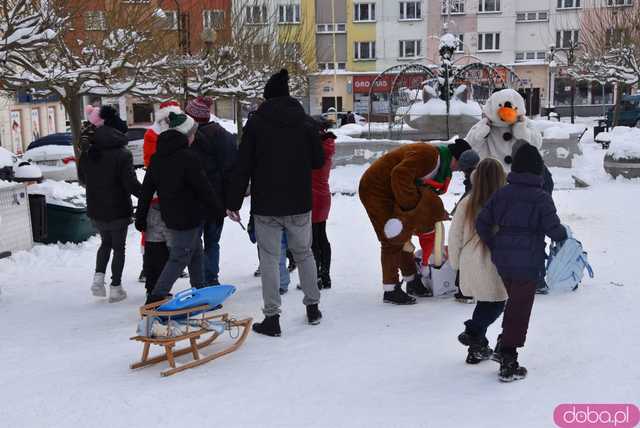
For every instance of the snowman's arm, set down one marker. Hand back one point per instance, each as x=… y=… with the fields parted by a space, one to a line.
x=477 y=135
x=523 y=130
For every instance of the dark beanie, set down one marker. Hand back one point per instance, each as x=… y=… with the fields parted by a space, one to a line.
x=528 y=159
x=468 y=160
x=112 y=119
x=458 y=148
x=277 y=85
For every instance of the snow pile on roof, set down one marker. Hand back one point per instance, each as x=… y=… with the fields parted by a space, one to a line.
x=6 y=158
x=4 y=183
x=625 y=143
x=61 y=193
x=449 y=40
x=437 y=107
x=49 y=151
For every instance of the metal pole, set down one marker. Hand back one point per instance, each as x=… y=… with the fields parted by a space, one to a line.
x=335 y=70
x=183 y=46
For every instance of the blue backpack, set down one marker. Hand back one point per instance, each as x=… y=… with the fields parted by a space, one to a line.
x=567 y=263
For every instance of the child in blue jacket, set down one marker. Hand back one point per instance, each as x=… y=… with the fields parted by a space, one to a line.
x=513 y=225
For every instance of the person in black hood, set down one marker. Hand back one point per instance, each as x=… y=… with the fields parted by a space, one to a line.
x=110 y=181
x=187 y=200
x=279 y=149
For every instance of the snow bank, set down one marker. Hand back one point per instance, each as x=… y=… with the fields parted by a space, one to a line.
x=625 y=143
x=351 y=130
x=61 y=193
x=557 y=130
x=437 y=107
x=6 y=158
x=603 y=136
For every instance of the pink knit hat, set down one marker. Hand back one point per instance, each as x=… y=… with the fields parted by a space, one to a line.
x=93 y=115
x=200 y=109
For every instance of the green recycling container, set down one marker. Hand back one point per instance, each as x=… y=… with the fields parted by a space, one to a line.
x=67 y=223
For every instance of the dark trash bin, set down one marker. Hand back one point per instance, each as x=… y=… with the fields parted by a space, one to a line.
x=38 y=208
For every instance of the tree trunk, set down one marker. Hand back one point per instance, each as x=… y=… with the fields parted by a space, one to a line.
x=73 y=105
x=238 y=117
x=616 y=108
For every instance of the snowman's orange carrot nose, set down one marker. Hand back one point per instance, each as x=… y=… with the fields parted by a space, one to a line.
x=508 y=115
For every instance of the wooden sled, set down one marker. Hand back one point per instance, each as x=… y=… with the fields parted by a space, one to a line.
x=198 y=338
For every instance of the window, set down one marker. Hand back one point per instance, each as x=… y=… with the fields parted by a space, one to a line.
x=532 y=16
x=519 y=56
x=213 y=19
x=410 y=10
x=410 y=49
x=289 y=14
x=171 y=20
x=332 y=66
x=489 y=6
x=460 y=47
x=568 y=4
x=95 y=21
x=566 y=38
x=329 y=28
x=488 y=42
x=530 y=56
x=256 y=14
x=619 y=2
x=364 y=12
x=290 y=50
x=365 y=50
x=456 y=7
x=541 y=55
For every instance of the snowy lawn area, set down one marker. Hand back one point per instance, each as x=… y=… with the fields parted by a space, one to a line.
x=66 y=355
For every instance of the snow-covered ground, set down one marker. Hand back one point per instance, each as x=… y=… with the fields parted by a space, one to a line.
x=65 y=355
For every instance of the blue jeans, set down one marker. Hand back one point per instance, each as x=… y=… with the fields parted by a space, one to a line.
x=284 y=272
x=211 y=259
x=185 y=249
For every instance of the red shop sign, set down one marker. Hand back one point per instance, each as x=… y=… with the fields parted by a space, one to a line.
x=362 y=84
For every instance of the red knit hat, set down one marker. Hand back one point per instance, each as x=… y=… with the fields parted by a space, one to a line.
x=169 y=103
x=200 y=109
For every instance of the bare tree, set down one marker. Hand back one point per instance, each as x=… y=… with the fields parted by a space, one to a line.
x=103 y=52
x=610 y=47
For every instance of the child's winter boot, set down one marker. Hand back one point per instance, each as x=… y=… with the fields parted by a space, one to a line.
x=497 y=351
x=97 y=288
x=116 y=293
x=479 y=353
x=269 y=327
x=313 y=314
x=510 y=370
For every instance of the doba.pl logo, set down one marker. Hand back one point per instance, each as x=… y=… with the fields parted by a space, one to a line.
x=596 y=415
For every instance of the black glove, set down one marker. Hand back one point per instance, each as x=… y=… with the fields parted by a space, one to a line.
x=141 y=224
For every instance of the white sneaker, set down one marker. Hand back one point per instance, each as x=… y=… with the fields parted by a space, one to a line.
x=116 y=293
x=97 y=288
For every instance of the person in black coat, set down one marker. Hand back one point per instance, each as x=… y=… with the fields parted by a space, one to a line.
x=218 y=152
x=513 y=225
x=110 y=180
x=279 y=149
x=187 y=200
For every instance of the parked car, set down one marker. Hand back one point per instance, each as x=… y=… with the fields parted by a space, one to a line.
x=135 y=136
x=629 y=112
x=7 y=162
x=54 y=156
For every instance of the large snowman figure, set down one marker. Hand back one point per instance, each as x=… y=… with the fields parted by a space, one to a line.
x=504 y=122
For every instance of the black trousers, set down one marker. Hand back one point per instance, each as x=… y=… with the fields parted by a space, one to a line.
x=321 y=248
x=155 y=257
x=112 y=240
x=517 y=314
x=483 y=316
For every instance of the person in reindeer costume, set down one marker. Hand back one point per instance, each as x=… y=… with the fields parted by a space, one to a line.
x=504 y=122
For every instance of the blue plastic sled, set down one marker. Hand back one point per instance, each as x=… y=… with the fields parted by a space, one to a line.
x=212 y=296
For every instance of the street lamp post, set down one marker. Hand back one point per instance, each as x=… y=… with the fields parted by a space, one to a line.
x=182 y=42
x=571 y=56
x=552 y=68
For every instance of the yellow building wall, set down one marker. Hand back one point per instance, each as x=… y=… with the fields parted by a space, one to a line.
x=303 y=33
x=359 y=32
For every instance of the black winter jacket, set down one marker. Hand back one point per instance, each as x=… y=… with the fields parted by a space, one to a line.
x=513 y=224
x=107 y=170
x=178 y=177
x=280 y=147
x=218 y=152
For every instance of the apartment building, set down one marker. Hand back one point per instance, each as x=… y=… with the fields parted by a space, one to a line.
x=522 y=34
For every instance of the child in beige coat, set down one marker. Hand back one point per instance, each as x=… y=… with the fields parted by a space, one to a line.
x=478 y=275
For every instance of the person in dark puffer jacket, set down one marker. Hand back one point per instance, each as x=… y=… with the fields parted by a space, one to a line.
x=513 y=225
x=110 y=181
x=187 y=200
x=218 y=151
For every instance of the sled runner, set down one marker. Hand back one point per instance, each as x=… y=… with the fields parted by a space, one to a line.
x=197 y=325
